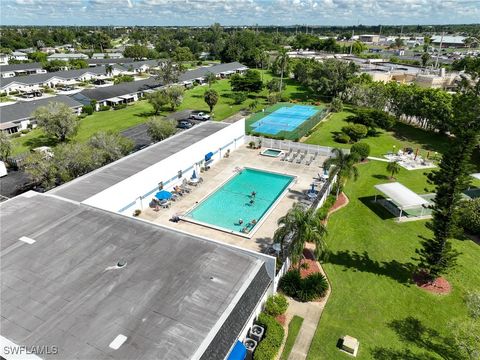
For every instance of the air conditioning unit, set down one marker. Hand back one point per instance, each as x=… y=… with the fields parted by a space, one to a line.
x=256 y=333
x=251 y=345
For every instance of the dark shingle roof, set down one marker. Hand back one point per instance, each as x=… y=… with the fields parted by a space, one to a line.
x=216 y=69
x=107 y=92
x=41 y=78
x=225 y=338
x=110 y=61
x=23 y=110
x=16 y=67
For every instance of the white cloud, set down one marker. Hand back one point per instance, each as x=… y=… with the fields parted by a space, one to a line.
x=204 y=12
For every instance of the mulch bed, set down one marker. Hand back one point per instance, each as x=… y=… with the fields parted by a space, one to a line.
x=282 y=319
x=439 y=286
x=339 y=203
x=308 y=259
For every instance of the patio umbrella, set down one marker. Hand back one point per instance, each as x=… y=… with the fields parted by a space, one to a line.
x=312 y=189
x=194 y=175
x=163 y=195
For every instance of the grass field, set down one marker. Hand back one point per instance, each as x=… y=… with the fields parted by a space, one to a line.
x=293 y=329
x=140 y=111
x=370 y=267
x=401 y=136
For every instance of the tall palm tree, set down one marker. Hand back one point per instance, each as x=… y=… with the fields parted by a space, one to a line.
x=210 y=78
x=344 y=165
x=302 y=226
x=393 y=168
x=109 y=69
x=282 y=60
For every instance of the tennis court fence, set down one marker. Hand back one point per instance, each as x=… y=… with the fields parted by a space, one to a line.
x=291 y=145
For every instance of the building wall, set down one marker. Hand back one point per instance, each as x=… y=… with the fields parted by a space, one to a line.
x=137 y=191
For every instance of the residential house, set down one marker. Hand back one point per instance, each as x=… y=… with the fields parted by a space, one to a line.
x=19 y=56
x=97 y=56
x=7 y=71
x=67 y=57
x=18 y=116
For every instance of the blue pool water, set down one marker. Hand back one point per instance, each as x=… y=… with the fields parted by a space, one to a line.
x=284 y=119
x=231 y=202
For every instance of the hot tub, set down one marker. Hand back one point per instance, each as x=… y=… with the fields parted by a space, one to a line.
x=271 y=152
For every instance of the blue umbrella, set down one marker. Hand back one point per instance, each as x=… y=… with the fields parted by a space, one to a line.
x=312 y=190
x=163 y=195
x=194 y=175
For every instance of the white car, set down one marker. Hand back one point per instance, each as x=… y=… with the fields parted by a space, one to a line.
x=200 y=116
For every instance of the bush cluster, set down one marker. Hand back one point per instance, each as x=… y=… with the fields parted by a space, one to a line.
x=310 y=288
x=342 y=138
x=355 y=131
x=470 y=216
x=119 y=106
x=274 y=333
x=276 y=305
x=87 y=109
x=362 y=149
x=104 y=108
x=327 y=205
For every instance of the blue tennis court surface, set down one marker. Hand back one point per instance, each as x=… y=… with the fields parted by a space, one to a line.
x=284 y=119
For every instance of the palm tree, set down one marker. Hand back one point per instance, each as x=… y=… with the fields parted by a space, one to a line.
x=393 y=168
x=300 y=226
x=344 y=165
x=211 y=98
x=210 y=78
x=282 y=60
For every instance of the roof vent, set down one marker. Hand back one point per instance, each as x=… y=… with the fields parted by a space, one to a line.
x=121 y=263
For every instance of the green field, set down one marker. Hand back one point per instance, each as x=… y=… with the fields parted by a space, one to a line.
x=370 y=269
x=401 y=136
x=139 y=112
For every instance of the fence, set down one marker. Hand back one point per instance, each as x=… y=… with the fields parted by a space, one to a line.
x=291 y=145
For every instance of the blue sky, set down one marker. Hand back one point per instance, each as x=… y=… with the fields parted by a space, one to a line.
x=237 y=12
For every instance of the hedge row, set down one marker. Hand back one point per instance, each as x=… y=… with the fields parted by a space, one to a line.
x=274 y=333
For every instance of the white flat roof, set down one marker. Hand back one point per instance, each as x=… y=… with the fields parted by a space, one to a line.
x=402 y=196
x=476 y=176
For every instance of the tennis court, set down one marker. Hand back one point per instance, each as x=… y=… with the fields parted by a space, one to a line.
x=284 y=119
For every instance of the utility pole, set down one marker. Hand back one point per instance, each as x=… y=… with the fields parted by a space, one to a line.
x=440 y=49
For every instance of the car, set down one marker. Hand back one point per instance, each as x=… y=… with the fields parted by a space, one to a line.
x=184 y=124
x=200 y=116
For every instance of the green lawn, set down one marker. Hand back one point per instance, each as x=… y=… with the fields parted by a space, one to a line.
x=140 y=111
x=401 y=136
x=370 y=268
x=293 y=329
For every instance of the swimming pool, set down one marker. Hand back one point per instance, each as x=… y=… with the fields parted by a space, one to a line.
x=284 y=119
x=271 y=152
x=233 y=201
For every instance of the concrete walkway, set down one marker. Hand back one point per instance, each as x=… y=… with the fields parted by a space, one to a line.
x=310 y=312
x=378 y=159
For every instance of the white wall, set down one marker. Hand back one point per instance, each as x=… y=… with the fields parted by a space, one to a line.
x=125 y=196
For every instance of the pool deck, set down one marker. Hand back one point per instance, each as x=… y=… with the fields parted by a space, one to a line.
x=218 y=174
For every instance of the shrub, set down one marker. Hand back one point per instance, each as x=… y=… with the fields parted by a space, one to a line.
x=342 y=138
x=355 y=131
x=313 y=286
x=336 y=105
x=362 y=149
x=274 y=333
x=239 y=97
x=470 y=216
x=322 y=213
x=276 y=305
x=104 y=108
x=119 y=106
x=87 y=109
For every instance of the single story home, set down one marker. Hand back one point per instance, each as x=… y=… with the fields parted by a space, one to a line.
x=220 y=71
x=109 y=61
x=123 y=93
x=36 y=82
x=18 y=116
x=135 y=67
x=67 y=57
x=8 y=71
x=107 y=56
x=448 y=41
x=19 y=56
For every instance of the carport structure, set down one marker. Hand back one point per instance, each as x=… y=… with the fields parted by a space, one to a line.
x=402 y=197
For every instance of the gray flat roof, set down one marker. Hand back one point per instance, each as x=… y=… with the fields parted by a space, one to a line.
x=90 y=184
x=215 y=69
x=17 y=67
x=64 y=289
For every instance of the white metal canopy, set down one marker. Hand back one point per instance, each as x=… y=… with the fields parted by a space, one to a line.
x=402 y=196
x=476 y=176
